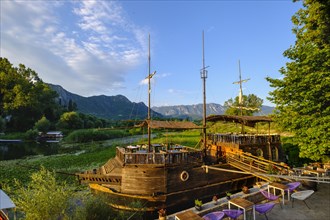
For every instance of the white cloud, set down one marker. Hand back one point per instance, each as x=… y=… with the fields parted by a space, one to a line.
x=85 y=46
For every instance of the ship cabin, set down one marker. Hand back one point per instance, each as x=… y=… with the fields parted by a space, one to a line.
x=267 y=146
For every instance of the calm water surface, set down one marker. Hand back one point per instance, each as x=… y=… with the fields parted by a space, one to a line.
x=19 y=150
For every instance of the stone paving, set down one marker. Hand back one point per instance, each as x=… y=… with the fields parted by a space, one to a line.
x=319 y=204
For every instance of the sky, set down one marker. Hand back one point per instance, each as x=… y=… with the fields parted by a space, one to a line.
x=101 y=47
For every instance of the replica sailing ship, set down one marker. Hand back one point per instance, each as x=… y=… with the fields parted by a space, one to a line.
x=172 y=176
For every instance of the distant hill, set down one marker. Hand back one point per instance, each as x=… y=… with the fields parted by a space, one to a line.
x=196 y=111
x=110 y=107
x=120 y=108
x=189 y=111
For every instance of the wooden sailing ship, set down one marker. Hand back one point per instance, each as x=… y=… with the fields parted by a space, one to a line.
x=171 y=176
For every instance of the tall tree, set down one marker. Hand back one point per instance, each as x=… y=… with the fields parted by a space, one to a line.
x=250 y=104
x=23 y=96
x=302 y=97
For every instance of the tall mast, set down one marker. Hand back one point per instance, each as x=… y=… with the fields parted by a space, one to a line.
x=150 y=75
x=204 y=76
x=149 y=91
x=240 y=95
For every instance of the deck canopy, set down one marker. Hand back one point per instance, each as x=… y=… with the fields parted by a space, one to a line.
x=5 y=201
x=169 y=124
x=245 y=120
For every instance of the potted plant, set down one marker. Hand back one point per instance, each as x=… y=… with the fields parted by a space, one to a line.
x=228 y=194
x=162 y=214
x=198 y=204
x=245 y=190
x=215 y=199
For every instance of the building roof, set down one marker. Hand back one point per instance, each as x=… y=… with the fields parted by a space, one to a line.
x=246 y=120
x=169 y=124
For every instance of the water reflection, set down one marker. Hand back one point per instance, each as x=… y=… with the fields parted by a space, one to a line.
x=19 y=150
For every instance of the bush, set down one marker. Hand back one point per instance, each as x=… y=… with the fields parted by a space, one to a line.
x=31 y=134
x=42 y=125
x=43 y=197
x=88 y=135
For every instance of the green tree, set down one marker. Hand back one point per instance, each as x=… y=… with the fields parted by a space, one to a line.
x=71 y=120
x=23 y=96
x=250 y=105
x=43 y=197
x=302 y=96
x=43 y=124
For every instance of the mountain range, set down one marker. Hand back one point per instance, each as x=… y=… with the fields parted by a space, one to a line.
x=121 y=108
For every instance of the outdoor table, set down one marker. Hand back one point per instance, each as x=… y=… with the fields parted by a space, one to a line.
x=280 y=187
x=243 y=204
x=188 y=215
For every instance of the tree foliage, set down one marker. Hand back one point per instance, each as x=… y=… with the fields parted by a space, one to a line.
x=250 y=105
x=24 y=97
x=302 y=97
x=70 y=120
x=43 y=197
x=43 y=124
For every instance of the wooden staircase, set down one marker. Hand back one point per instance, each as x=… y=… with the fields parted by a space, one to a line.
x=257 y=165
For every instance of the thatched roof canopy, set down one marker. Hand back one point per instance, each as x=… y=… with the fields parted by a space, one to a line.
x=246 y=120
x=169 y=124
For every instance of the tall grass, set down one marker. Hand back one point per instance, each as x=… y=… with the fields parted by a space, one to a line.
x=88 y=135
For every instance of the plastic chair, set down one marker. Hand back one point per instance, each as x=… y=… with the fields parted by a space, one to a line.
x=302 y=195
x=233 y=213
x=214 y=216
x=271 y=197
x=264 y=208
x=292 y=186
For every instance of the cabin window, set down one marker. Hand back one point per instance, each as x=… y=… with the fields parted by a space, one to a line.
x=260 y=153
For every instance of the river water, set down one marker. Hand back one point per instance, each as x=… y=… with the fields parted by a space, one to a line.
x=19 y=150
x=12 y=150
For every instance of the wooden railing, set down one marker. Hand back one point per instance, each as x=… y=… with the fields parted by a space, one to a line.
x=255 y=165
x=244 y=138
x=164 y=158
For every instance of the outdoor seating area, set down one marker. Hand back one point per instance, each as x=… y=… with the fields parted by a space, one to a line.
x=302 y=195
x=257 y=206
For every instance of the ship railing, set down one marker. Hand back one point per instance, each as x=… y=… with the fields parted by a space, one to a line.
x=163 y=157
x=244 y=138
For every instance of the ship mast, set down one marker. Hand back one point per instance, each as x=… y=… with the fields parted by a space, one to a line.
x=150 y=75
x=240 y=95
x=204 y=76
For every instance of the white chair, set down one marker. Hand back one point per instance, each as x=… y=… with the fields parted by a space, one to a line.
x=302 y=195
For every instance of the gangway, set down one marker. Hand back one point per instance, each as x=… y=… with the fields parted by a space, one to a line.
x=270 y=170
x=257 y=165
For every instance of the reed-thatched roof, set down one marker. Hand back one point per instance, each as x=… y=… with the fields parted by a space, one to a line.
x=246 y=120
x=169 y=124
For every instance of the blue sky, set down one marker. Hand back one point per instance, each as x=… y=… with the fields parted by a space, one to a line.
x=101 y=47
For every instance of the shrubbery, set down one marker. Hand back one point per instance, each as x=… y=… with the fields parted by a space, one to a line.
x=88 y=135
x=44 y=197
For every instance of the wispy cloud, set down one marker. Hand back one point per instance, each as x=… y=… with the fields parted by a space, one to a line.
x=87 y=46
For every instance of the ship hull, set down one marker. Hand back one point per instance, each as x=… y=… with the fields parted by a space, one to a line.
x=168 y=188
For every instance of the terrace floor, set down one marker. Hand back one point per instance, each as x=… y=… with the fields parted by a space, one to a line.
x=319 y=204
